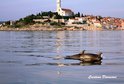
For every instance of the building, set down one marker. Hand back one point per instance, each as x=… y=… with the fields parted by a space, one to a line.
x=76 y=20
x=63 y=11
x=122 y=24
x=97 y=24
x=71 y=21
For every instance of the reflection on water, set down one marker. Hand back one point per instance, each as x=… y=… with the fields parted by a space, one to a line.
x=65 y=64
x=37 y=57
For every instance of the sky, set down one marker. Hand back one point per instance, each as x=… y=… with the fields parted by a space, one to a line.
x=15 y=9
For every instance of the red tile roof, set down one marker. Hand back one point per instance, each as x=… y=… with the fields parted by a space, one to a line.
x=67 y=10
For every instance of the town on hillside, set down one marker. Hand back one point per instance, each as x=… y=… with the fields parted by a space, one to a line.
x=65 y=19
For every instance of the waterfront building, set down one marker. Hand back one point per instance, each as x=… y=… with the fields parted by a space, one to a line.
x=63 y=11
x=97 y=24
x=77 y=20
x=122 y=24
x=0 y=25
x=71 y=21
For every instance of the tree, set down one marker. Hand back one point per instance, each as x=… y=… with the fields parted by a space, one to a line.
x=82 y=15
x=57 y=16
x=50 y=14
x=77 y=14
x=29 y=19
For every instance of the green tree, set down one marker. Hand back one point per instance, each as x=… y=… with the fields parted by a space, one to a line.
x=77 y=14
x=29 y=19
x=82 y=15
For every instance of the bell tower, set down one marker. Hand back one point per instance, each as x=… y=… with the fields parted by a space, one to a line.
x=58 y=6
x=63 y=11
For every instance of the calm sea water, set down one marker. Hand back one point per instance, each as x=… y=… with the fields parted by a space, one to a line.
x=36 y=57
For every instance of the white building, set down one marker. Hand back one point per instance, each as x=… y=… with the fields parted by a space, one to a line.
x=97 y=24
x=76 y=20
x=63 y=11
x=71 y=21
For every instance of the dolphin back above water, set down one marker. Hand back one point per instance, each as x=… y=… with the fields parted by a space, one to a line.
x=86 y=57
x=76 y=56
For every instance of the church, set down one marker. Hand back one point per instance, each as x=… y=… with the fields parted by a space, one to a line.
x=63 y=11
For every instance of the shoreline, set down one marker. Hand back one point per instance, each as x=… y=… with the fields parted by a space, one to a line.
x=51 y=28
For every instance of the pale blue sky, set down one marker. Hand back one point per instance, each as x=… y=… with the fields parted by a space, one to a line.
x=15 y=9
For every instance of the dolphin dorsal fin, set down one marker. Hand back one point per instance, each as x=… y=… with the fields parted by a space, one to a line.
x=82 y=52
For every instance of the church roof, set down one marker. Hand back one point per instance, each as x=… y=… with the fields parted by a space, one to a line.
x=67 y=10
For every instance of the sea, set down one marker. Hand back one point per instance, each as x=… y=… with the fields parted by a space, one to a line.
x=37 y=57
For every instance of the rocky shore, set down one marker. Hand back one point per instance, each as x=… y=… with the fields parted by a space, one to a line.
x=52 y=28
x=48 y=29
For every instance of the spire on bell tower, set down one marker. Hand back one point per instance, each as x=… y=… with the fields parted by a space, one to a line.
x=58 y=5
